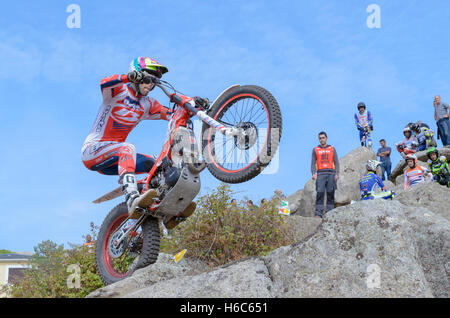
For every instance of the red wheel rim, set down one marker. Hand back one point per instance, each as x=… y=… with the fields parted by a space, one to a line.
x=107 y=259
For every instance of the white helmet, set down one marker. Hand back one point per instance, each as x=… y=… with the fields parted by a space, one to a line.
x=411 y=157
x=371 y=165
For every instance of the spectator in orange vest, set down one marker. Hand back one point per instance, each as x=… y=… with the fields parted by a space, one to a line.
x=325 y=170
x=88 y=241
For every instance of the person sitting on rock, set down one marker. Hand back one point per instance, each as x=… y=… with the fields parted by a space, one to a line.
x=409 y=145
x=438 y=167
x=424 y=135
x=414 y=174
x=370 y=183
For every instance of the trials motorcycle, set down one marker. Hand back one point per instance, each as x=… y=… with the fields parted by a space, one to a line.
x=366 y=140
x=240 y=135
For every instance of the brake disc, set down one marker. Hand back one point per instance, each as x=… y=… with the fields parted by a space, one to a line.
x=116 y=249
x=248 y=137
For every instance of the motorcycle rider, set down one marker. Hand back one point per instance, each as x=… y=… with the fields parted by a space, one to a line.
x=371 y=182
x=414 y=174
x=125 y=104
x=424 y=135
x=409 y=145
x=364 y=123
x=438 y=167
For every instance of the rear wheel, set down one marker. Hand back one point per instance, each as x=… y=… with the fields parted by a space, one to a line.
x=139 y=249
x=235 y=159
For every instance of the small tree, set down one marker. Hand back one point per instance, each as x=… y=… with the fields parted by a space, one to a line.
x=48 y=273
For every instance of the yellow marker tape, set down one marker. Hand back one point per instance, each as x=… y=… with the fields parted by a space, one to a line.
x=177 y=257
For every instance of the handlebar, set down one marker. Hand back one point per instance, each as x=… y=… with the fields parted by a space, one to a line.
x=203 y=116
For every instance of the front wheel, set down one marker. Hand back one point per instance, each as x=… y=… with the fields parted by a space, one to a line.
x=139 y=249
x=235 y=159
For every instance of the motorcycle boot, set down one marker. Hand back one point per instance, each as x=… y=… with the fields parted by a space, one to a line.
x=132 y=197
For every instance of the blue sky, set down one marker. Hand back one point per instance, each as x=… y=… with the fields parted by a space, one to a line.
x=318 y=58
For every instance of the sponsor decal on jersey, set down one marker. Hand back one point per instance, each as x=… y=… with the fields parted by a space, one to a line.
x=118 y=126
x=93 y=150
x=132 y=103
x=126 y=116
x=102 y=119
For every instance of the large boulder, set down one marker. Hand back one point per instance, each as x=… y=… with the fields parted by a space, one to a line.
x=389 y=184
x=352 y=168
x=372 y=248
x=163 y=269
x=368 y=249
x=302 y=227
x=295 y=201
x=431 y=195
x=248 y=278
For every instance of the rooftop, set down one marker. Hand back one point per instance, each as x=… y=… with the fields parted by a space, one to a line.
x=14 y=256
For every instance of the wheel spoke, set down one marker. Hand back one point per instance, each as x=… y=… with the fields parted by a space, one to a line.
x=233 y=153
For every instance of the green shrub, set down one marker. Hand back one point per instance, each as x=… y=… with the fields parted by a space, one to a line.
x=48 y=273
x=220 y=231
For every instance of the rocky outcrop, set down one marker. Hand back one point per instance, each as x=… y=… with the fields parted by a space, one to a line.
x=295 y=201
x=352 y=167
x=162 y=270
x=373 y=248
x=389 y=185
x=430 y=195
x=360 y=241
x=244 y=279
x=303 y=227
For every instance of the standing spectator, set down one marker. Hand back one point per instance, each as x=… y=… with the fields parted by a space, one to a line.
x=441 y=115
x=263 y=204
x=89 y=243
x=251 y=205
x=280 y=194
x=325 y=170
x=88 y=240
x=385 y=158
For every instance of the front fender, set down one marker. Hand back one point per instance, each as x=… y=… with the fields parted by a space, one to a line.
x=225 y=91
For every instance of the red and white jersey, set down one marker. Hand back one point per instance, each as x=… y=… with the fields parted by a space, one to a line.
x=122 y=109
x=363 y=119
x=415 y=175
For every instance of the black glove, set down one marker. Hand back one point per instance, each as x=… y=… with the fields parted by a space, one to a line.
x=135 y=76
x=201 y=102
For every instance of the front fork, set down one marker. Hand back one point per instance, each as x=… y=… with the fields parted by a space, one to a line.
x=115 y=242
x=227 y=131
